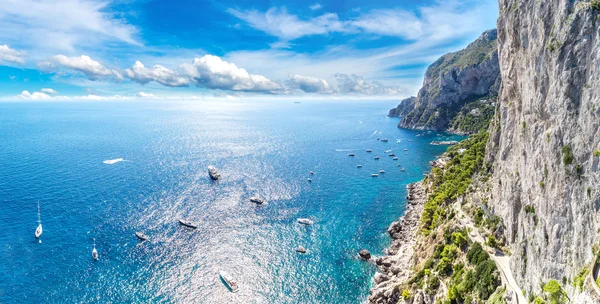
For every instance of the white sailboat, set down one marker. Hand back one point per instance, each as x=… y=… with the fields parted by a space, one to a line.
x=38 y=231
x=95 y=252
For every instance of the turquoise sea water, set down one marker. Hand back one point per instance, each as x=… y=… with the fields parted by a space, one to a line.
x=53 y=153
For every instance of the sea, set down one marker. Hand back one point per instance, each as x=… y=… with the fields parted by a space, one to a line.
x=101 y=171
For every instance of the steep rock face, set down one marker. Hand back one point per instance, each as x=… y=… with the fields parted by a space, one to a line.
x=452 y=81
x=403 y=108
x=549 y=109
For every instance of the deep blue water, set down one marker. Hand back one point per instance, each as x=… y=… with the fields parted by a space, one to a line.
x=53 y=153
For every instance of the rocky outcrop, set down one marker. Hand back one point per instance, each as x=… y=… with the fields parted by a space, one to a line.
x=545 y=169
x=451 y=82
x=395 y=266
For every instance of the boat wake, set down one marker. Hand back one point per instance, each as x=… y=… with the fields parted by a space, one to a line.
x=113 y=161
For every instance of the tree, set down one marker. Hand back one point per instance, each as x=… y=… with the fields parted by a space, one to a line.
x=556 y=294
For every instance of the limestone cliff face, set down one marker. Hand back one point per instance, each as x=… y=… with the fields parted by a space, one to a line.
x=403 y=108
x=452 y=81
x=542 y=144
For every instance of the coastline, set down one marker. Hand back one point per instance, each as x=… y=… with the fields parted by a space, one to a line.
x=395 y=266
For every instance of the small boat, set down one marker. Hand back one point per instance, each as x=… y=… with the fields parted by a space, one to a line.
x=377 y=138
x=369 y=150
x=309 y=180
x=39 y=230
x=376 y=157
x=311 y=173
x=305 y=221
x=402 y=169
x=228 y=281
x=381 y=171
x=388 y=151
x=405 y=149
x=410 y=140
x=301 y=249
x=384 y=140
x=94 y=252
x=351 y=154
x=358 y=166
x=398 y=165
x=142 y=236
x=188 y=223
x=213 y=173
x=398 y=141
x=395 y=158
x=392 y=154
x=257 y=200
x=374 y=175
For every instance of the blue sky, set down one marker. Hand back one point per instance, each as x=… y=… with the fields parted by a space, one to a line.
x=127 y=49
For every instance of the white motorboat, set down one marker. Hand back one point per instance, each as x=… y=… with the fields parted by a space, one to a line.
x=94 y=252
x=374 y=175
x=228 y=281
x=309 y=180
x=395 y=158
x=39 y=230
x=311 y=173
x=358 y=166
x=369 y=150
x=187 y=223
x=305 y=221
x=381 y=171
x=301 y=249
x=257 y=200
x=142 y=236
x=213 y=173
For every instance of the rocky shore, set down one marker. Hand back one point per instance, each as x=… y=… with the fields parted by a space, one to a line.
x=394 y=267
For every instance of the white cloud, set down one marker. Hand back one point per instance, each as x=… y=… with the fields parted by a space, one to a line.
x=315 y=6
x=35 y=96
x=139 y=73
x=353 y=84
x=279 y=23
x=145 y=95
x=213 y=73
x=49 y=91
x=12 y=55
x=310 y=84
x=63 y=25
x=94 y=70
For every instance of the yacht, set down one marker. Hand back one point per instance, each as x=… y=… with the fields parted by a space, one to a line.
x=301 y=249
x=384 y=140
x=381 y=171
x=214 y=174
x=369 y=150
x=38 y=230
x=388 y=151
x=395 y=158
x=351 y=154
x=309 y=180
x=374 y=175
x=187 y=223
x=358 y=166
x=257 y=200
x=228 y=281
x=94 y=252
x=305 y=221
x=142 y=236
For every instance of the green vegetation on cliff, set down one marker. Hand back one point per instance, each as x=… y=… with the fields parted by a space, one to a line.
x=474 y=117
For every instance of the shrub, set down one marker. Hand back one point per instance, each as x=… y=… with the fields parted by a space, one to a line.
x=567 y=155
x=589 y=192
x=595 y=4
x=597 y=152
x=529 y=209
x=405 y=294
x=542 y=184
x=491 y=241
x=579 y=279
x=579 y=170
x=555 y=292
x=476 y=254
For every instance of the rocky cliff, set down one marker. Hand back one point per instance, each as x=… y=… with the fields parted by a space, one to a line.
x=544 y=147
x=451 y=82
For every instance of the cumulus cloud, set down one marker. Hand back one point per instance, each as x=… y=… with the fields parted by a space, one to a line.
x=141 y=74
x=315 y=6
x=94 y=70
x=214 y=73
x=353 y=84
x=49 y=91
x=310 y=84
x=145 y=95
x=11 y=55
x=35 y=96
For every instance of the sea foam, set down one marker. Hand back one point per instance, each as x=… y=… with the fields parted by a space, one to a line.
x=112 y=161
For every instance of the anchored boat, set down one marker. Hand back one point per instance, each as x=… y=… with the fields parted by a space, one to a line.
x=39 y=230
x=142 y=236
x=305 y=221
x=228 y=281
x=213 y=173
x=188 y=223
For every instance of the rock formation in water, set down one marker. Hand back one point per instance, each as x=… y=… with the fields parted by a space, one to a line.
x=451 y=82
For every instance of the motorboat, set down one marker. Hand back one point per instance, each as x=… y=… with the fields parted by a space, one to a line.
x=142 y=236
x=405 y=149
x=369 y=150
x=305 y=221
x=228 y=281
x=257 y=200
x=376 y=157
x=39 y=230
x=311 y=173
x=374 y=175
x=351 y=154
x=301 y=249
x=384 y=140
x=188 y=223
x=94 y=252
x=402 y=169
x=388 y=151
x=309 y=180
x=391 y=154
x=213 y=173
x=381 y=171
x=358 y=166
x=395 y=158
